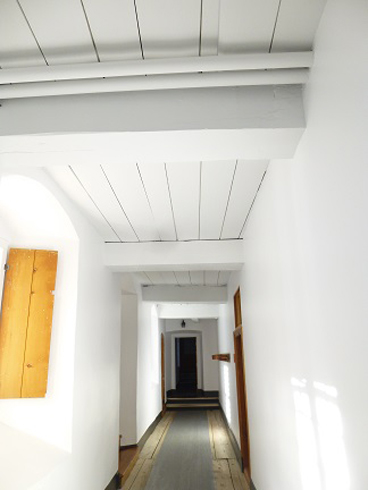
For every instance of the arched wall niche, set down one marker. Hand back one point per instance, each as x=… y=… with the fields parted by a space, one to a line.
x=32 y=217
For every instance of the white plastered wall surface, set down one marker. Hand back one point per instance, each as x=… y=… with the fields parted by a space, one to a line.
x=55 y=439
x=305 y=281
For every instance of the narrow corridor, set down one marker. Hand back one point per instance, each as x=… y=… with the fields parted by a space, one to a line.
x=188 y=450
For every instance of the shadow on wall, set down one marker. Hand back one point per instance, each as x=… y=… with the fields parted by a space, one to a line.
x=322 y=454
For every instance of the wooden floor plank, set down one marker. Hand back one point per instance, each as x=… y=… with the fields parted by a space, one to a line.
x=223 y=446
x=212 y=442
x=237 y=476
x=153 y=441
x=127 y=485
x=143 y=475
x=222 y=475
x=157 y=450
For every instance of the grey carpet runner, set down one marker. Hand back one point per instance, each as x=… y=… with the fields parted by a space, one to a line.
x=184 y=461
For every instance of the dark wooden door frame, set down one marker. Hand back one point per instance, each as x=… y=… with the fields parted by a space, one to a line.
x=241 y=387
x=163 y=377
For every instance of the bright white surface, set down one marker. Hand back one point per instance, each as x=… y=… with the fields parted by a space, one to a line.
x=60 y=24
x=216 y=181
x=114 y=29
x=128 y=369
x=180 y=311
x=155 y=256
x=18 y=49
x=184 y=182
x=97 y=185
x=84 y=362
x=148 y=369
x=183 y=201
x=169 y=28
x=296 y=25
x=32 y=218
x=247 y=178
x=264 y=107
x=208 y=346
x=185 y=294
x=304 y=285
x=35 y=457
x=246 y=26
x=129 y=190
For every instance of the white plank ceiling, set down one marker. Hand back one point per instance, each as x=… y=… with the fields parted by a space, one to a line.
x=183 y=278
x=34 y=32
x=136 y=202
x=142 y=202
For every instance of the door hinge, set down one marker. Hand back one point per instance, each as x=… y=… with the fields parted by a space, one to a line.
x=6 y=267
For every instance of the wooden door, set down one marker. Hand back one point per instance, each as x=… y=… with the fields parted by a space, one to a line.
x=163 y=383
x=26 y=319
x=241 y=387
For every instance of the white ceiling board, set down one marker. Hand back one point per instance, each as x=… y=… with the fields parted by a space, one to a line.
x=210 y=278
x=142 y=278
x=155 y=277
x=95 y=183
x=183 y=278
x=169 y=28
x=248 y=176
x=61 y=30
x=169 y=278
x=297 y=24
x=114 y=27
x=17 y=45
x=216 y=182
x=246 y=26
x=223 y=278
x=155 y=183
x=128 y=187
x=184 y=180
x=210 y=27
x=67 y=181
x=196 y=278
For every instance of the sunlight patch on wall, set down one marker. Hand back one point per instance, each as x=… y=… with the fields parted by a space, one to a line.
x=227 y=393
x=322 y=456
x=155 y=354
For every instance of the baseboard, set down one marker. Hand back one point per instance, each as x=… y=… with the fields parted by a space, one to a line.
x=233 y=440
x=114 y=483
x=236 y=447
x=149 y=431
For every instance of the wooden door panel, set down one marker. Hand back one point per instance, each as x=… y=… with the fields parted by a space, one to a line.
x=14 y=319
x=36 y=359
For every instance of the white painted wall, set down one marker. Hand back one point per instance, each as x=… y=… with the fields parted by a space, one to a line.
x=150 y=328
x=305 y=281
x=208 y=375
x=32 y=218
x=79 y=416
x=128 y=367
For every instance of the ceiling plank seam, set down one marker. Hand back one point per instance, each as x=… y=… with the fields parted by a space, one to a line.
x=274 y=27
x=32 y=31
x=200 y=29
x=90 y=31
x=253 y=201
x=138 y=28
x=171 y=201
x=93 y=201
x=228 y=200
x=119 y=202
x=200 y=200
x=148 y=200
